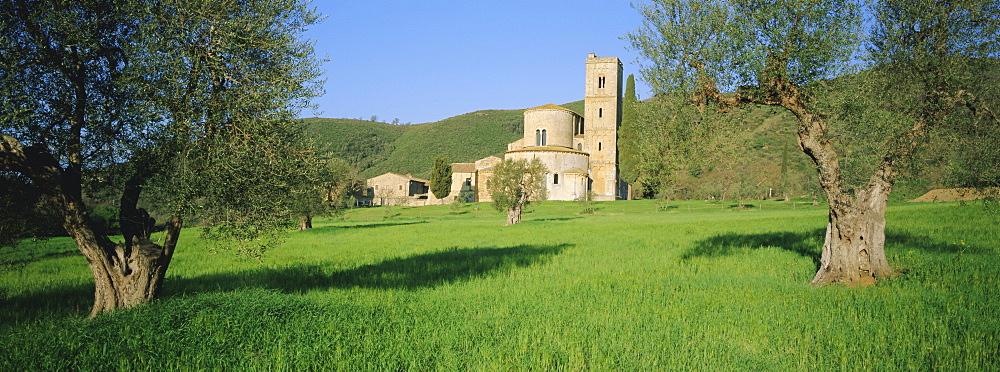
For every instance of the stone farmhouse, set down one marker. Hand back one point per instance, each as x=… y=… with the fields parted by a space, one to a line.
x=580 y=152
x=397 y=189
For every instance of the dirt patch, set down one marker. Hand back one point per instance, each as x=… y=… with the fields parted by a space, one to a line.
x=948 y=195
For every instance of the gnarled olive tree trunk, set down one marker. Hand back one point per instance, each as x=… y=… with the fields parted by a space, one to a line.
x=126 y=274
x=513 y=215
x=305 y=222
x=854 y=248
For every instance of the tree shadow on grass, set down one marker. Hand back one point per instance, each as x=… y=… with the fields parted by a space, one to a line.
x=327 y=229
x=553 y=219
x=806 y=244
x=901 y=240
x=413 y=272
x=407 y=273
x=15 y=262
x=809 y=244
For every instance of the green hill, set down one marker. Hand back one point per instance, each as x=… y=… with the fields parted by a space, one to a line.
x=362 y=143
x=750 y=154
x=376 y=148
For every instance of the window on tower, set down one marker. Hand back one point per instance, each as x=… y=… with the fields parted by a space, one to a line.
x=600 y=82
x=538 y=137
x=555 y=178
x=544 y=141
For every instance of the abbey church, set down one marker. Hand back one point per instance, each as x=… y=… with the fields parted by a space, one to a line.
x=580 y=153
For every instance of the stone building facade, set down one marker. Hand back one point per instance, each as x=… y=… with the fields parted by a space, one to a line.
x=469 y=179
x=397 y=189
x=580 y=152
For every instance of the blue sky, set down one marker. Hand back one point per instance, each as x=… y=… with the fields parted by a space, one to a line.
x=423 y=61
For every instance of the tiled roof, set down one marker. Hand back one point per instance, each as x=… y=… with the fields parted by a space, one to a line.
x=408 y=177
x=463 y=167
x=548 y=149
x=552 y=107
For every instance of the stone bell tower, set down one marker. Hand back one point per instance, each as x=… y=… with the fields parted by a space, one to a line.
x=602 y=117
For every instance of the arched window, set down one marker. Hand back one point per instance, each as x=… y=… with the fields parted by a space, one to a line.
x=538 y=137
x=598 y=146
x=544 y=140
x=579 y=147
x=600 y=82
x=555 y=178
x=600 y=113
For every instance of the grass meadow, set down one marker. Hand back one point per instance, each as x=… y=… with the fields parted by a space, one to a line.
x=634 y=286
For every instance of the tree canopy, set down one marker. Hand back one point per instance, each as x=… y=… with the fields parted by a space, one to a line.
x=724 y=54
x=516 y=183
x=185 y=107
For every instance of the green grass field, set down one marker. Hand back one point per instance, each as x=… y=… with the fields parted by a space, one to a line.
x=694 y=286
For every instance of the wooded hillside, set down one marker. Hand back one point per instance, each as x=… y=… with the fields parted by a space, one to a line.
x=760 y=160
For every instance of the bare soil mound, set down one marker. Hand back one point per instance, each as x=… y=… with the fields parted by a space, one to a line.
x=948 y=195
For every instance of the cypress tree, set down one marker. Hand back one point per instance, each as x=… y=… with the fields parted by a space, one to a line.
x=628 y=134
x=441 y=178
x=630 y=89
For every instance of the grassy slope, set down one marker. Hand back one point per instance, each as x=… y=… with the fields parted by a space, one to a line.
x=462 y=138
x=377 y=148
x=360 y=142
x=700 y=286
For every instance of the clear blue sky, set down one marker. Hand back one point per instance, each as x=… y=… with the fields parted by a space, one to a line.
x=423 y=61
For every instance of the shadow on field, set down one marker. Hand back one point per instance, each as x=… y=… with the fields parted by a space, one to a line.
x=414 y=272
x=900 y=240
x=809 y=244
x=65 y=301
x=554 y=219
x=409 y=273
x=327 y=229
x=15 y=262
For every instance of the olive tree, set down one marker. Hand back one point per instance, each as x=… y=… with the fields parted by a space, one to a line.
x=325 y=191
x=781 y=53
x=186 y=107
x=515 y=183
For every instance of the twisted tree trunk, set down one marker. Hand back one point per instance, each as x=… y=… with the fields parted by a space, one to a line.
x=514 y=212
x=853 y=251
x=125 y=277
x=513 y=215
x=854 y=248
x=126 y=274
